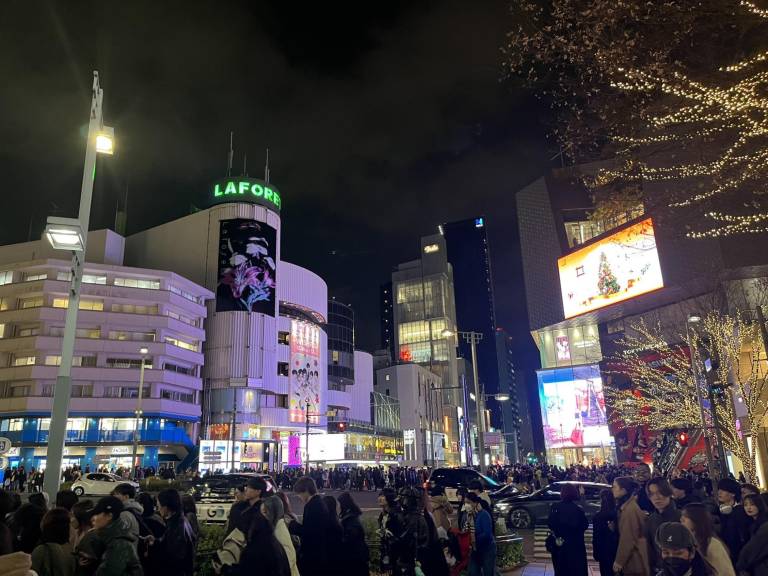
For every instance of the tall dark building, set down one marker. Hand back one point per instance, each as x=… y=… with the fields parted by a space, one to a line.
x=515 y=419
x=341 y=348
x=387 y=319
x=468 y=253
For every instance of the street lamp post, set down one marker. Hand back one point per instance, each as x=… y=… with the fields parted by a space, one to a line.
x=72 y=236
x=473 y=338
x=143 y=351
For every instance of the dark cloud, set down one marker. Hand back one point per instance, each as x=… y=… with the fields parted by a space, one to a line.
x=383 y=119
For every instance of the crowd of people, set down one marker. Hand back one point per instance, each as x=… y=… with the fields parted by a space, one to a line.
x=121 y=534
x=654 y=526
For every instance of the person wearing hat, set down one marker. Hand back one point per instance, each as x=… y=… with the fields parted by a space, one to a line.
x=255 y=490
x=116 y=545
x=678 y=551
x=682 y=492
x=734 y=522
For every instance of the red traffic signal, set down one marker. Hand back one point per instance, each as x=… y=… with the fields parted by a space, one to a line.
x=682 y=438
x=342 y=426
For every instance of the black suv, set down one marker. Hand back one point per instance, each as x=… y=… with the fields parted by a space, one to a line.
x=456 y=479
x=222 y=486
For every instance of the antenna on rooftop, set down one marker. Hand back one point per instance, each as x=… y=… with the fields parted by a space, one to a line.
x=231 y=154
x=266 y=169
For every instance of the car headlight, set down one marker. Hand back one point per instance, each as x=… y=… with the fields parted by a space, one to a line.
x=502 y=506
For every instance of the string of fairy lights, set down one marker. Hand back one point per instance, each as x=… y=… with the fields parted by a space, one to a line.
x=663 y=395
x=730 y=114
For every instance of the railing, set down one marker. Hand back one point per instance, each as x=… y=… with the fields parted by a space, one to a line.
x=173 y=436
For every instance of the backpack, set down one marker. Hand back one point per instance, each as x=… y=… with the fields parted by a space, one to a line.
x=231 y=550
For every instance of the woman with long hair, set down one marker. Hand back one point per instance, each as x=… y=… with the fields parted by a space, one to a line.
x=605 y=535
x=698 y=520
x=272 y=509
x=53 y=556
x=356 y=555
x=756 y=511
x=568 y=524
x=632 y=551
x=263 y=553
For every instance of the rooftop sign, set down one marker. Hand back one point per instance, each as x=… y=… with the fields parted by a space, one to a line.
x=249 y=190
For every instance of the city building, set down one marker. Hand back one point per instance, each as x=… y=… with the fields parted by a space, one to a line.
x=425 y=422
x=341 y=353
x=512 y=417
x=387 y=320
x=424 y=316
x=588 y=282
x=122 y=311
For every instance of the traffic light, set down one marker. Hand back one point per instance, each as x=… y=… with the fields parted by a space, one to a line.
x=342 y=426
x=682 y=438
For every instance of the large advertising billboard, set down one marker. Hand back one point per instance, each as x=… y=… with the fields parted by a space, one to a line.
x=613 y=269
x=573 y=407
x=247 y=268
x=304 y=378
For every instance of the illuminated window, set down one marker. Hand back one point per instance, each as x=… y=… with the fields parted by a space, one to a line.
x=284 y=338
x=184 y=294
x=135 y=336
x=137 y=283
x=25 y=331
x=23 y=360
x=6 y=277
x=83 y=304
x=35 y=302
x=134 y=309
x=180 y=317
x=192 y=346
x=31 y=277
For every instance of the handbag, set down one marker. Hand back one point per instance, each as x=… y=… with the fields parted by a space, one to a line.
x=553 y=543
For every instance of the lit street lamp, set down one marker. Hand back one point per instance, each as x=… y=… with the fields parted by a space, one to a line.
x=72 y=234
x=473 y=338
x=143 y=351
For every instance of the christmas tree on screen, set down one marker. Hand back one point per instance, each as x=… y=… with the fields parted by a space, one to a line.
x=606 y=282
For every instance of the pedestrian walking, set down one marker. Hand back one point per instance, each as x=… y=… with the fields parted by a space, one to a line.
x=698 y=520
x=356 y=554
x=567 y=523
x=632 y=552
x=263 y=554
x=659 y=493
x=272 y=509
x=482 y=560
x=176 y=547
x=605 y=533
x=441 y=509
x=756 y=511
x=734 y=523
x=53 y=556
x=313 y=530
x=678 y=551
x=115 y=545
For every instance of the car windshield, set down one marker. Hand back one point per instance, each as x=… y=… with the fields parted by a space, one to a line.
x=490 y=482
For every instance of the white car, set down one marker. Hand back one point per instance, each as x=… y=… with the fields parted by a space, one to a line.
x=99 y=484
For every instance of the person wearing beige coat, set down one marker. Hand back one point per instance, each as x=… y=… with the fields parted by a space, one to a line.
x=632 y=553
x=441 y=509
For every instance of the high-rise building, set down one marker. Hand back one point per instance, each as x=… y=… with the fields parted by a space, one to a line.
x=341 y=346
x=469 y=255
x=423 y=309
x=387 y=320
x=510 y=409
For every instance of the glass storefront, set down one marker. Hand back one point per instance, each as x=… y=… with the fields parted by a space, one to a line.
x=569 y=346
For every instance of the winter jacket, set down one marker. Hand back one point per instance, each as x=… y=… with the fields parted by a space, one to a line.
x=568 y=523
x=313 y=531
x=441 y=511
x=632 y=553
x=605 y=537
x=284 y=537
x=718 y=559
x=734 y=530
x=269 y=559
x=652 y=523
x=176 y=548
x=355 y=561
x=753 y=558
x=52 y=559
x=117 y=548
x=16 y=564
x=131 y=509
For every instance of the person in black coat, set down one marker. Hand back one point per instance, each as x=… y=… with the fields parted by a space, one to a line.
x=313 y=530
x=605 y=538
x=263 y=553
x=176 y=547
x=664 y=510
x=568 y=524
x=682 y=492
x=356 y=554
x=734 y=522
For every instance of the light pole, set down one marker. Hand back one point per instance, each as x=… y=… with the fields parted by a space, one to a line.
x=473 y=338
x=72 y=234
x=143 y=351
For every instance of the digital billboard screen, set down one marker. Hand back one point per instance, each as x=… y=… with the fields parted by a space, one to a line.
x=304 y=379
x=613 y=269
x=573 y=407
x=247 y=269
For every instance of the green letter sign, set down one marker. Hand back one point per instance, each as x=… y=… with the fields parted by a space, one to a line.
x=250 y=190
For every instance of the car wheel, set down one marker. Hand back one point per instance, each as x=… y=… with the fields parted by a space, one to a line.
x=520 y=518
x=79 y=491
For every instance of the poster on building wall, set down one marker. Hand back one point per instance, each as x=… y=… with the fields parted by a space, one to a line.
x=247 y=267
x=304 y=387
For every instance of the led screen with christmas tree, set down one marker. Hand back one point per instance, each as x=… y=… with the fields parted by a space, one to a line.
x=612 y=269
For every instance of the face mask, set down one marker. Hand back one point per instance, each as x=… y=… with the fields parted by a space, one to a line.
x=676 y=566
x=726 y=508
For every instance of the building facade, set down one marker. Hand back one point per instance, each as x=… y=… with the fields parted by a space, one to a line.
x=122 y=311
x=512 y=416
x=387 y=320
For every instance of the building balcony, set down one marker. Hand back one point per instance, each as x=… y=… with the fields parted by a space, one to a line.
x=95 y=407
x=171 y=436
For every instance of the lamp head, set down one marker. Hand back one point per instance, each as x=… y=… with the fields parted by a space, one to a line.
x=65 y=234
x=105 y=140
x=143 y=350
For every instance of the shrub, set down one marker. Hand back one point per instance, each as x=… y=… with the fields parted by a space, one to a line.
x=211 y=537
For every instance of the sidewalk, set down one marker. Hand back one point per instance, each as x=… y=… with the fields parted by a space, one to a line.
x=546 y=569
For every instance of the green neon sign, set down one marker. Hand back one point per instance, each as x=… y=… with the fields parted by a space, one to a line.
x=250 y=190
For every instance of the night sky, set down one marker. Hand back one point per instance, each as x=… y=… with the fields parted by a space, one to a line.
x=383 y=119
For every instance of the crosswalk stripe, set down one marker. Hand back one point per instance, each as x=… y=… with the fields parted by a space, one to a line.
x=540 y=549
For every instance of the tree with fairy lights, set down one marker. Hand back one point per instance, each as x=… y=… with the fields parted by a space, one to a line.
x=663 y=391
x=675 y=93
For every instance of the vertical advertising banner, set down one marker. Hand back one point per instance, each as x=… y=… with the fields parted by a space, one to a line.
x=247 y=268
x=304 y=387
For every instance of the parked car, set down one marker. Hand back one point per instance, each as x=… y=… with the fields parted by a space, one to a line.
x=456 y=479
x=99 y=484
x=505 y=491
x=526 y=510
x=215 y=494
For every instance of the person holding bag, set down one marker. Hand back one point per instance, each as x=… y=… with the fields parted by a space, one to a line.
x=568 y=524
x=632 y=553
